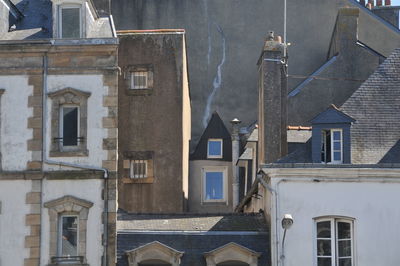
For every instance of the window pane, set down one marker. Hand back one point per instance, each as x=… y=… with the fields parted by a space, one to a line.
x=337 y=156
x=337 y=146
x=324 y=229
x=69 y=236
x=139 y=80
x=337 y=135
x=214 y=185
x=344 y=248
x=345 y=262
x=323 y=247
x=70 y=126
x=70 y=24
x=214 y=148
x=324 y=262
x=344 y=230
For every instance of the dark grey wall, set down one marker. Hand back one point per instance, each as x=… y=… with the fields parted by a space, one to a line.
x=224 y=41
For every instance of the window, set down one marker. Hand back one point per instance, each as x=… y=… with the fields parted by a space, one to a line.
x=69 y=215
x=139 y=80
x=69 y=21
x=214 y=184
x=69 y=123
x=138 y=169
x=331 y=146
x=68 y=236
x=214 y=148
x=334 y=239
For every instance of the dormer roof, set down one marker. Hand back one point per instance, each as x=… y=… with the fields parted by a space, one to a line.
x=332 y=115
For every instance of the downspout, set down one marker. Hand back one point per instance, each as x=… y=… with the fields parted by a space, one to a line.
x=59 y=163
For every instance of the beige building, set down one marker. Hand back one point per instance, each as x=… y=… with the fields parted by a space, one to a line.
x=58 y=134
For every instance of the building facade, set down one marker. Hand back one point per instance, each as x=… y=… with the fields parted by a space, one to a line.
x=58 y=81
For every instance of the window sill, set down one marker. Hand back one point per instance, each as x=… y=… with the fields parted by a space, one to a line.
x=83 y=153
x=147 y=180
x=214 y=202
x=70 y=261
x=148 y=91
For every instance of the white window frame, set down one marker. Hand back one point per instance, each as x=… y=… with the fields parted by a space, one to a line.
x=69 y=6
x=61 y=128
x=142 y=73
x=222 y=149
x=60 y=233
x=132 y=175
x=224 y=170
x=323 y=137
x=334 y=220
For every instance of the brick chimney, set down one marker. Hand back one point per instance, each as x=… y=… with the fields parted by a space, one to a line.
x=362 y=2
x=388 y=3
x=272 y=101
x=378 y=2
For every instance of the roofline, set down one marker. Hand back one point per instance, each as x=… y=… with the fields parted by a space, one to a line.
x=153 y=31
x=321 y=166
x=175 y=232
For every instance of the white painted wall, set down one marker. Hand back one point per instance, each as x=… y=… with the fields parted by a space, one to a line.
x=373 y=203
x=12 y=221
x=14 y=132
x=96 y=112
x=89 y=190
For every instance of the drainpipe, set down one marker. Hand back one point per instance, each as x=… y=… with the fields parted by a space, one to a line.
x=235 y=156
x=73 y=165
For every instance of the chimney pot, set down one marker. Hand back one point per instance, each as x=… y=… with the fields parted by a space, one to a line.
x=378 y=2
x=371 y=2
x=388 y=3
x=369 y=6
x=362 y=2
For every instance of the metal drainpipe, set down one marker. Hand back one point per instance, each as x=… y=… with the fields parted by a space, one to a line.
x=235 y=156
x=59 y=163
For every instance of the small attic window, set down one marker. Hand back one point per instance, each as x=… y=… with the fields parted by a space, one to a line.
x=70 y=21
x=331 y=146
x=214 y=148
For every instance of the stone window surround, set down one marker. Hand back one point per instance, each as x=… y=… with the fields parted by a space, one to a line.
x=129 y=156
x=140 y=68
x=73 y=206
x=68 y=96
x=154 y=251
x=58 y=4
x=232 y=252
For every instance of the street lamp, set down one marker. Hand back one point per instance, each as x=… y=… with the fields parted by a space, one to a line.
x=287 y=222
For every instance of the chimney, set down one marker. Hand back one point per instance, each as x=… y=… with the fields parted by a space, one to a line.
x=388 y=3
x=272 y=101
x=235 y=156
x=378 y=2
x=362 y=2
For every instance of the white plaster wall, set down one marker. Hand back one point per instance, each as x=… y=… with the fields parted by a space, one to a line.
x=14 y=122
x=373 y=205
x=12 y=221
x=89 y=190
x=96 y=112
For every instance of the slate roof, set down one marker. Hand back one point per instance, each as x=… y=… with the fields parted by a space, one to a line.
x=215 y=129
x=375 y=107
x=193 y=234
x=254 y=222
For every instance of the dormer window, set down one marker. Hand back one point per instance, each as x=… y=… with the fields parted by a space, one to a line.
x=69 y=21
x=331 y=142
x=214 y=148
x=331 y=146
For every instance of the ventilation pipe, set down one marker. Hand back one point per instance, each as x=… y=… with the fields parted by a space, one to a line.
x=235 y=156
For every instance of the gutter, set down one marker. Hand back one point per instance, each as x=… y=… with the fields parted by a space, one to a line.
x=45 y=160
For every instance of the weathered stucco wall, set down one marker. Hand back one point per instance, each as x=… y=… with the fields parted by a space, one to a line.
x=13 y=229
x=224 y=42
x=14 y=120
x=151 y=122
x=371 y=202
x=89 y=190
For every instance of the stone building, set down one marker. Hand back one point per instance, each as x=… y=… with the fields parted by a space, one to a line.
x=154 y=121
x=58 y=134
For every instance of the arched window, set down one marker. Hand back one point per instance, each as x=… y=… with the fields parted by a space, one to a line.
x=232 y=254
x=334 y=241
x=154 y=254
